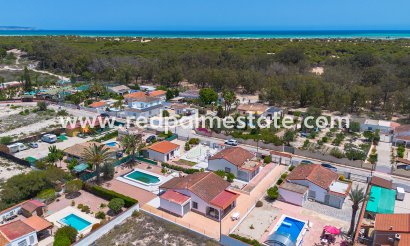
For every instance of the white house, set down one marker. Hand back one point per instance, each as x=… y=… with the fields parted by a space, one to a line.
x=384 y=126
x=142 y=105
x=242 y=163
x=161 y=94
x=163 y=151
x=17 y=233
x=202 y=192
x=100 y=106
x=281 y=157
x=401 y=135
x=120 y=89
x=322 y=186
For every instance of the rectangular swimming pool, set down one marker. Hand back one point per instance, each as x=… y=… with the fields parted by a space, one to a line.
x=75 y=221
x=143 y=177
x=290 y=227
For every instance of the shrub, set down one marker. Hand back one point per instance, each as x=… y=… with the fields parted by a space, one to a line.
x=95 y=226
x=73 y=186
x=283 y=176
x=279 y=182
x=259 y=204
x=109 y=194
x=220 y=173
x=267 y=159
x=108 y=171
x=273 y=193
x=181 y=169
x=72 y=203
x=336 y=152
x=6 y=140
x=230 y=177
x=253 y=242
x=291 y=168
x=193 y=141
x=135 y=214
x=48 y=195
x=116 y=205
x=80 y=206
x=85 y=209
x=67 y=231
x=100 y=215
x=41 y=106
x=187 y=146
x=62 y=240
x=342 y=178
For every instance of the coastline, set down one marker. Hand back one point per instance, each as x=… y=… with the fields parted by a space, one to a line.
x=323 y=34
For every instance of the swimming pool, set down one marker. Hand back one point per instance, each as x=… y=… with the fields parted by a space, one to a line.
x=142 y=177
x=111 y=144
x=290 y=227
x=75 y=221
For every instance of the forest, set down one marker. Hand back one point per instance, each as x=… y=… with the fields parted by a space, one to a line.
x=359 y=74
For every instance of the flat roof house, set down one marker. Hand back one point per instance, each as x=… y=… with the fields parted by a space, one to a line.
x=77 y=150
x=120 y=89
x=163 y=151
x=392 y=229
x=322 y=186
x=202 y=192
x=242 y=163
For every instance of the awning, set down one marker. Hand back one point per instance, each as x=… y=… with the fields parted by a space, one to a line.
x=37 y=223
x=80 y=167
x=175 y=197
x=381 y=200
x=224 y=199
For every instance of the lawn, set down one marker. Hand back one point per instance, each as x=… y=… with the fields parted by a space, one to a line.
x=149 y=230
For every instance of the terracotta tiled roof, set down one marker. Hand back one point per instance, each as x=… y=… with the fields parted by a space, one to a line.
x=403 y=128
x=406 y=138
x=206 y=185
x=138 y=94
x=37 y=223
x=404 y=239
x=97 y=104
x=163 y=147
x=235 y=155
x=157 y=93
x=175 y=197
x=32 y=205
x=78 y=149
x=283 y=154
x=392 y=222
x=15 y=229
x=120 y=88
x=314 y=173
x=377 y=181
x=253 y=107
x=224 y=199
x=405 y=161
x=143 y=99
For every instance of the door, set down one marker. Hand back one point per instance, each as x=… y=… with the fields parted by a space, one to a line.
x=312 y=194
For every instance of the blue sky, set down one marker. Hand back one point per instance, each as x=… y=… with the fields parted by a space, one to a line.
x=206 y=14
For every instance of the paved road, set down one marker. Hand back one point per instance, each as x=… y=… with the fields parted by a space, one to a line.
x=383 y=164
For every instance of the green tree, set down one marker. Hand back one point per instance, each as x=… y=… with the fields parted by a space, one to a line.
x=289 y=136
x=97 y=155
x=116 y=205
x=208 y=95
x=229 y=98
x=26 y=80
x=131 y=144
x=41 y=106
x=165 y=113
x=357 y=196
x=67 y=231
x=354 y=126
x=73 y=186
x=108 y=171
x=273 y=193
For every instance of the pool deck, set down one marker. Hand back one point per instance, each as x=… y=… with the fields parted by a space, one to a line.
x=56 y=217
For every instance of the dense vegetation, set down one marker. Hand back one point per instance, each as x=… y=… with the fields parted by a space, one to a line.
x=358 y=74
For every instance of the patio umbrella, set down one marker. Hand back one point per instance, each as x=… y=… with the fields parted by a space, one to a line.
x=332 y=230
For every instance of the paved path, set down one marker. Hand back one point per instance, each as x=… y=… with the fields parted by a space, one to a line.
x=383 y=164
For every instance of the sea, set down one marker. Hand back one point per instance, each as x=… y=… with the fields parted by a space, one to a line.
x=322 y=34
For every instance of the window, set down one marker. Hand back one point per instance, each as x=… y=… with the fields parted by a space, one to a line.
x=22 y=243
x=227 y=169
x=31 y=239
x=195 y=205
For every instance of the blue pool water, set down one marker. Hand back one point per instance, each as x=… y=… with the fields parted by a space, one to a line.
x=143 y=177
x=111 y=144
x=291 y=227
x=76 y=222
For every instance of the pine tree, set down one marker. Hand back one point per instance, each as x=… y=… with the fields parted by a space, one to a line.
x=27 y=80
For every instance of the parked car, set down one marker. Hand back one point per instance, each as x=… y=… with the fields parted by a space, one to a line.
x=231 y=142
x=80 y=135
x=330 y=167
x=49 y=138
x=306 y=162
x=151 y=139
x=33 y=145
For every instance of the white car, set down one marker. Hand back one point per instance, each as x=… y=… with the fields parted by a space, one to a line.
x=231 y=142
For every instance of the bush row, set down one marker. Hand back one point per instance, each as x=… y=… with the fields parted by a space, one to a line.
x=181 y=169
x=109 y=194
x=246 y=240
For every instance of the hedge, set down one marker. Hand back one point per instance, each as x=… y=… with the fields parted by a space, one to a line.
x=181 y=169
x=109 y=194
x=246 y=240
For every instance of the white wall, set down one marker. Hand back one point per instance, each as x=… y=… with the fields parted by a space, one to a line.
x=291 y=197
x=320 y=192
x=11 y=212
x=156 y=155
x=202 y=205
x=221 y=164
x=31 y=239
x=281 y=159
x=170 y=206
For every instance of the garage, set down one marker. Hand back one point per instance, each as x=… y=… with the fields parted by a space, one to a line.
x=293 y=193
x=175 y=203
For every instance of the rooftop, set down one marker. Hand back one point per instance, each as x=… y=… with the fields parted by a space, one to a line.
x=157 y=93
x=163 y=147
x=392 y=222
x=78 y=149
x=224 y=199
x=32 y=205
x=175 y=197
x=37 y=223
x=403 y=128
x=384 y=183
x=237 y=156
x=97 y=104
x=314 y=173
x=340 y=188
x=294 y=187
x=381 y=200
x=15 y=229
x=253 y=107
x=283 y=154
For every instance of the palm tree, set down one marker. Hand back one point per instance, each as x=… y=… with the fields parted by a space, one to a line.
x=96 y=155
x=357 y=196
x=229 y=99
x=131 y=144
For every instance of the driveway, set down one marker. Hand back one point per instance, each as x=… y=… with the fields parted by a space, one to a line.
x=383 y=164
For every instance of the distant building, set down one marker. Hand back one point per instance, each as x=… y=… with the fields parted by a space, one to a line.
x=401 y=135
x=147 y=88
x=163 y=151
x=242 y=163
x=140 y=104
x=203 y=192
x=384 y=126
x=315 y=182
x=183 y=109
x=161 y=94
x=272 y=111
x=252 y=108
x=190 y=94
x=119 y=89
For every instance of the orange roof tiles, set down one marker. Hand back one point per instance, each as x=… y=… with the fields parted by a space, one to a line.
x=157 y=93
x=392 y=222
x=97 y=104
x=224 y=199
x=175 y=197
x=235 y=155
x=15 y=229
x=314 y=173
x=37 y=223
x=384 y=183
x=283 y=154
x=138 y=94
x=163 y=147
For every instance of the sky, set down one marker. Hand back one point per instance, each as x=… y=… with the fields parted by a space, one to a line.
x=207 y=14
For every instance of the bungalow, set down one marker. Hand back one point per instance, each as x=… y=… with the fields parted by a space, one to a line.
x=183 y=109
x=100 y=106
x=252 y=109
x=392 y=229
x=163 y=151
x=315 y=182
x=141 y=105
x=242 y=163
x=17 y=233
x=190 y=94
x=203 y=192
x=119 y=89
x=77 y=151
x=161 y=94
x=401 y=135
x=281 y=157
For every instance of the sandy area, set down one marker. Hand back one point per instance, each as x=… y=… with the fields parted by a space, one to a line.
x=9 y=169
